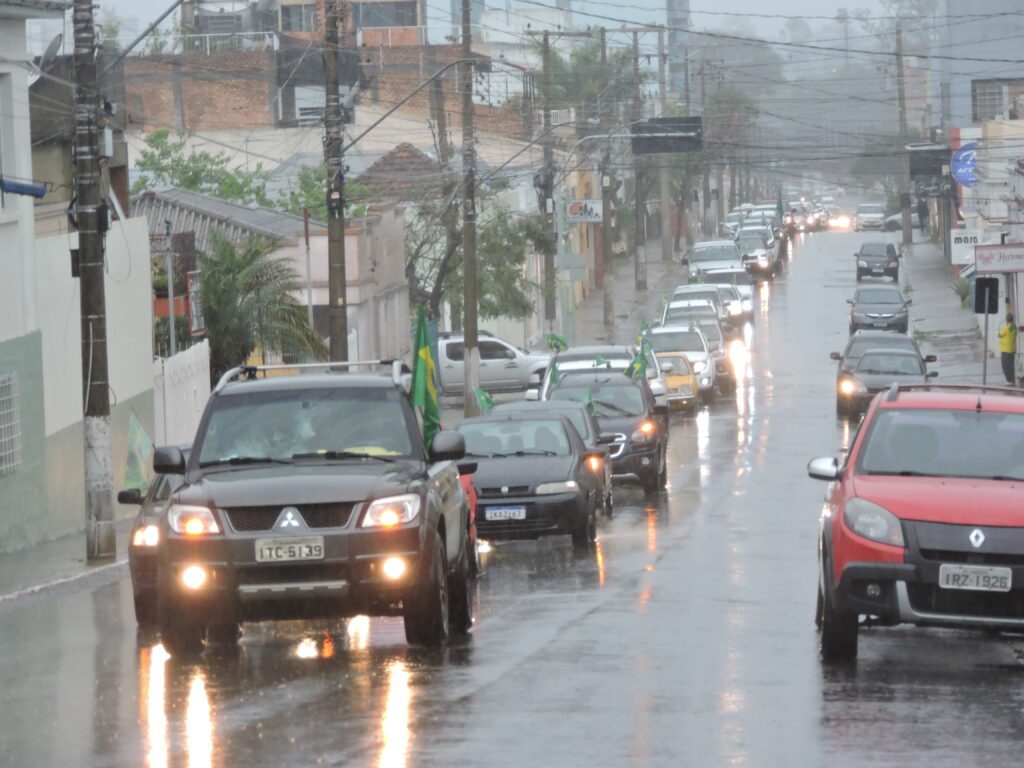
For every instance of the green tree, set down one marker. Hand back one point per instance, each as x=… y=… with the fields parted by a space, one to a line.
x=310 y=191
x=166 y=161
x=249 y=304
x=877 y=162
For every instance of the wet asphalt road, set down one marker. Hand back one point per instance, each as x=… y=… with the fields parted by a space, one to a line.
x=687 y=639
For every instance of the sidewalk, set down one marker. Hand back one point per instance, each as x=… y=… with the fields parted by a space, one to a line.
x=631 y=307
x=941 y=325
x=60 y=565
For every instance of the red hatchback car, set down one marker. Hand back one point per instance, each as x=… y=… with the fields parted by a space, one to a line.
x=924 y=521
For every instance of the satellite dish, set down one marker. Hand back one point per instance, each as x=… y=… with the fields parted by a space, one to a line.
x=50 y=54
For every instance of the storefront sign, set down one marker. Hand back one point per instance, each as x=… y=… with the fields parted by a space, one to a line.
x=583 y=211
x=999 y=259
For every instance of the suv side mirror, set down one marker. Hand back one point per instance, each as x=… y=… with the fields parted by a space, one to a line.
x=826 y=468
x=467 y=467
x=168 y=460
x=448 y=446
x=130 y=496
x=933 y=374
x=931 y=359
x=835 y=356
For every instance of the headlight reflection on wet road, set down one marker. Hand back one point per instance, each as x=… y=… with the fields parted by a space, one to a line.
x=199 y=724
x=153 y=662
x=395 y=723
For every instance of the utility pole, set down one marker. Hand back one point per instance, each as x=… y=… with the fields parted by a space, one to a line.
x=309 y=267
x=663 y=174
x=640 y=260
x=607 y=268
x=335 y=162
x=546 y=187
x=471 y=367
x=92 y=224
x=904 y=159
x=686 y=78
x=172 y=318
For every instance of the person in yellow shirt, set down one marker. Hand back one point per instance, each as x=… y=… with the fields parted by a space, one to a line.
x=1008 y=348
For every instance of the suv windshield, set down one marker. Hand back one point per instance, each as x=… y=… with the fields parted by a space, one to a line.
x=281 y=425
x=895 y=365
x=941 y=443
x=751 y=242
x=609 y=400
x=711 y=294
x=715 y=253
x=677 y=341
x=683 y=315
x=513 y=438
x=879 y=296
x=738 y=277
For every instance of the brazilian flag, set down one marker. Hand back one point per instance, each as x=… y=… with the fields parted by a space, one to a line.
x=553 y=374
x=638 y=367
x=484 y=400
x=557 y=343
x=424 y=388
x=600 y=362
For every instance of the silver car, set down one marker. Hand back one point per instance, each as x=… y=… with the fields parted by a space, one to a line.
x=503 y=367
x=712 y=254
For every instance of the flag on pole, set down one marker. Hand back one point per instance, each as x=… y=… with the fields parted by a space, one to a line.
x=424 y=388
x=638 y=367
x=557 y=343
x=641 y=336
x=600 y=362
x=553 y=374
x=484 y=400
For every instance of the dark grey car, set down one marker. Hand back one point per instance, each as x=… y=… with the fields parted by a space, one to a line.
x=878 y=370
x=877 y=260
x=881 y=307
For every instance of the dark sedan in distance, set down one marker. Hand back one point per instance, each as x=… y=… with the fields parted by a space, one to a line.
x=859 y=344
x=877 y=260
x=881 y=307
x=532 y=478
x=877 y=371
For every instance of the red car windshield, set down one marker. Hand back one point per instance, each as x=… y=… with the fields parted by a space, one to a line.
x=942 y=443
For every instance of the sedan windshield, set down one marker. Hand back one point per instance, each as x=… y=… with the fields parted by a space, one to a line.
x=890 y=364
x=286 y=424
x=515 y=438
x=710 y=294
x=892 y=340
x=879 y=296
x=685 y=315
x=609 y=400
x=945 y=444
x=872 y=210
x=678 y=341
x=875 y=249
x=715 y=253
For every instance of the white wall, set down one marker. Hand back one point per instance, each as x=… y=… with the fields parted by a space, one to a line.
x=181 y=388
x=129 y=320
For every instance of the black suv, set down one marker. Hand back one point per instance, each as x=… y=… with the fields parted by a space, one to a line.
x=311 y=496
x=634 y=427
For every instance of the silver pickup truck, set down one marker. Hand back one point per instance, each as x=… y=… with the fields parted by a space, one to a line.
x=503 y=367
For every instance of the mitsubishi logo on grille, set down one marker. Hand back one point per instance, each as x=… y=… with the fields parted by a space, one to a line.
x=977 y=538
x=289 y=518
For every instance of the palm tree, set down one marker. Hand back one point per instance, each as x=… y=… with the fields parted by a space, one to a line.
x=248 y=304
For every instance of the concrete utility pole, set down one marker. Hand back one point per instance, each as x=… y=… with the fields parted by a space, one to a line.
x=309 y=267
x=547 y=187
x=663 y=171
x=92 y=224
x=471 y=365
x=904 y=158
x=640 y=260
x=334 y=159
x=172 y=317
x=607 y=269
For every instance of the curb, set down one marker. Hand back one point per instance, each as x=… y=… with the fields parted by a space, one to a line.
x=95 y=577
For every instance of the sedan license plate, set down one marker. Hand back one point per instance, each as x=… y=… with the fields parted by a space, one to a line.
x=288 y=550
x=977 y=578
x=878 y=270
x=495 y=514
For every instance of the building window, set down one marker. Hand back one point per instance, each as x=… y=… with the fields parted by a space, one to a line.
x=10 y=425
x=298 y=18
x=371 y=15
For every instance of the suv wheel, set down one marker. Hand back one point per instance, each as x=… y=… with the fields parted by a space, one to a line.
x=426 y=609
x=839 y=630
x=146 y=614
x=461 y=589
x=663 y=474
x=181 y=634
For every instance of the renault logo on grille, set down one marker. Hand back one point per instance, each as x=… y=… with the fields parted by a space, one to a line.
x=977 y=538
x=289 y=518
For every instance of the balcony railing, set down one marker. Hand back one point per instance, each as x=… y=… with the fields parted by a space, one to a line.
x=225 y=42
x=391 y=37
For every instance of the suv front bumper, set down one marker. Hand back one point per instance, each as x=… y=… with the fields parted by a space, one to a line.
x=347 y=581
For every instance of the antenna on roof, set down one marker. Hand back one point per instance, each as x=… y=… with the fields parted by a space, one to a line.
x=978 y=406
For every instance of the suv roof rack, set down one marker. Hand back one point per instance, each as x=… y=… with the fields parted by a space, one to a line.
x=398 y=369
x=977 y=389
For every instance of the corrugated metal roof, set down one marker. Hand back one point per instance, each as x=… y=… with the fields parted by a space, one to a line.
x=209 y=217
x=37 y=5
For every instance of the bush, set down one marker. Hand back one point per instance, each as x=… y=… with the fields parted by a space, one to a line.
x=962 y=288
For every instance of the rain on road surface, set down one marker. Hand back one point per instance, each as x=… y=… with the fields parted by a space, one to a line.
x=687 y=639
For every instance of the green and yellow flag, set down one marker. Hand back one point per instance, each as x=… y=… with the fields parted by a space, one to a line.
x=484 y=400
x=638 y=367
x=557 y=343
x=424 y=387
x=600 y=362
x=553 y=374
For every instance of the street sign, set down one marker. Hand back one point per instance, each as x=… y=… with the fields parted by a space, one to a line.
x=999 y=259
x=986 y=296
x=926 y=160
x=963 y=165
x=583 y=212
x=963 y=242
x=666 y=135
x=197 y=323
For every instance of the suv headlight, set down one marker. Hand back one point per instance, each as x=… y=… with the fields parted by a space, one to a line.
x=851 y=387
x=392 y=511
x=566 y=486
x=192 y=521
x=862 y=263
x=867 y=519
x=645 y=433
x=699 y=367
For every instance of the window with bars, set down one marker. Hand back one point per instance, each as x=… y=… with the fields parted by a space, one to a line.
x=10 y=425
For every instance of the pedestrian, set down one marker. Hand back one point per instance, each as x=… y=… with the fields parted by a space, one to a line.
x=922 y=214
x=1008 y=348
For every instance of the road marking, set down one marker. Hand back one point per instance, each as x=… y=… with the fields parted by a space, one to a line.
x=58 y=583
